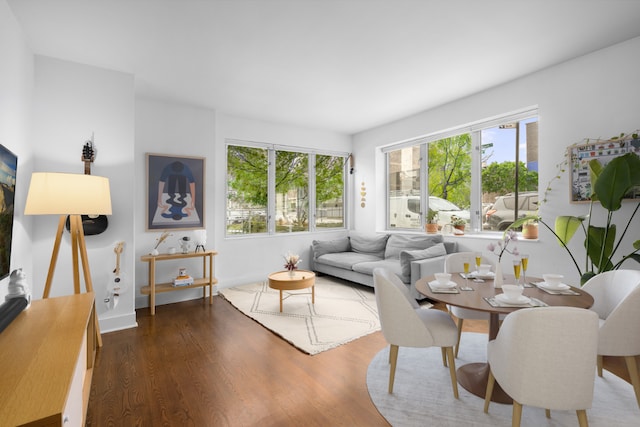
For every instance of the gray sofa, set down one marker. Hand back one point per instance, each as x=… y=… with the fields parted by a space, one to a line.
x=354 y=257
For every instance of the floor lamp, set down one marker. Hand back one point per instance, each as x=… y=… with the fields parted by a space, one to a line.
x=70 y=195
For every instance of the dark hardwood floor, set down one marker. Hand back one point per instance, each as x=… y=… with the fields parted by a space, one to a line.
x=195 y=364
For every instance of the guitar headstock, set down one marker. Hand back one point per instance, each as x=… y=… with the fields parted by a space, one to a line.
x=89 y=153
x=119 y=247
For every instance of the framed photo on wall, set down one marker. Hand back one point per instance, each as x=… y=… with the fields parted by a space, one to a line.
x=175 y=192
x=604 y=151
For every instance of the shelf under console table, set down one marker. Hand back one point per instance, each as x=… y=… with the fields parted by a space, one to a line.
x=47 y=357
x=207 y=280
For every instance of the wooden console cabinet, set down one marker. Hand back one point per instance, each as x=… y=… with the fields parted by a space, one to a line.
x=46 y=356
x=207 y=280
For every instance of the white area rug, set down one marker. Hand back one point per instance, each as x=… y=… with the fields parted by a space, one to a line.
x=342 y=312
x=422 y=394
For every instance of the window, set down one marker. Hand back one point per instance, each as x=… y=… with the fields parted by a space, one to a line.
x=404 y=203
x=274 y=190
x=469 y=173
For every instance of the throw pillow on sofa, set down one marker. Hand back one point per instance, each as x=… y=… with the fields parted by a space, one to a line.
x=407 y=256
x=330 y=246
x=367 y=243
x=404 y=242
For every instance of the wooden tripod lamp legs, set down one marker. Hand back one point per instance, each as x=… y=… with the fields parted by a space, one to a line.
x=77 y=246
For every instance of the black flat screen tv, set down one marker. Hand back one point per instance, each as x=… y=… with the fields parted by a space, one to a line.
x=8 y=168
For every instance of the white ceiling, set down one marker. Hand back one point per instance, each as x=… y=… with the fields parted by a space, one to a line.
x=341 y=65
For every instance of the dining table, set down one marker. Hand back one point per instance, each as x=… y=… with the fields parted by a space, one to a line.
x=481 y=295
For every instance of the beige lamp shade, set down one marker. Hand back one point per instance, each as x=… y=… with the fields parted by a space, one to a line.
x=68 y=194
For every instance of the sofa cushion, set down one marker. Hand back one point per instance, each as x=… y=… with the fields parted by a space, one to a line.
x=321 y=247
x=345 y=259
x=400 y=242
x=407 y=256
x=368 y=243
x=390 y=264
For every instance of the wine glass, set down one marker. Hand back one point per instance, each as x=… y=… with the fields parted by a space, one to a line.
x=478 y=261
x=466 y=265
x=525 y=263
x=516 y=270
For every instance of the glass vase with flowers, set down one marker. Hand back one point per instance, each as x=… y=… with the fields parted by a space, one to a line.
x=499 y=248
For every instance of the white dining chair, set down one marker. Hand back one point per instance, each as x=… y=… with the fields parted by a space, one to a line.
x=405 y=324
x=616 y=296
x=545 y=357
x=454 y=263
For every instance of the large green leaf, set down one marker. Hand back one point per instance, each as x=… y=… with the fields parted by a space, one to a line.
x=598 y=245
x=595 y=168
x=566 y=226
x=616 y=179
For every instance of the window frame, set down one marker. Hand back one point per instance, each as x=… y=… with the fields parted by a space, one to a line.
x=271 y=187
x=474 y=129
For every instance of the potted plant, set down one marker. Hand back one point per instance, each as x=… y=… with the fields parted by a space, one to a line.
x=610 y=185
x=458 y=223
x=432 y=221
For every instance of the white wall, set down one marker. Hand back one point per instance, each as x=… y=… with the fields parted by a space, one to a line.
x=72 y=101
x=594 y=96
x=16 y=92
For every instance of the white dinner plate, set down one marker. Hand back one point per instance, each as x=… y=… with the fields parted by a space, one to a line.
x=560 y=287
x=521 y=299
x=436 y=285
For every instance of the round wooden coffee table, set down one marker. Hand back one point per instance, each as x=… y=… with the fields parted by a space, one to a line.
x=298 y=279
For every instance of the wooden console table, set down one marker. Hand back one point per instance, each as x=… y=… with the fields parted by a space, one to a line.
x=47 y=360
x=207 y=280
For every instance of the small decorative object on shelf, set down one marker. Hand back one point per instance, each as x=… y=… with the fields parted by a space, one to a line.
x=183 y=278
x=185 y=244
x=200 y=239
x=291 y=262
x=159 y=240
x=18 y=286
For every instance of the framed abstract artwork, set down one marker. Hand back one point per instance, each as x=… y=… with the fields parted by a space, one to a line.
x=175 y=192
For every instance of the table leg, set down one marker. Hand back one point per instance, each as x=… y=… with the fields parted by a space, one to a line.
x=313 y=294
x=280 y=301
x=474 y=376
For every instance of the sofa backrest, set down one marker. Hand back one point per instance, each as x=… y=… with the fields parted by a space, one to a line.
x=368 y=243
x=403 y=242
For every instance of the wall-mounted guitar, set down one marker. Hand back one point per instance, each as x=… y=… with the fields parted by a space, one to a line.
x=91 y=224
x=116 y=286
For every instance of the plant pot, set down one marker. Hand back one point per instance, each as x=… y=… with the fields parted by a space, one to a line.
x=530 y=231
x=459 y=227
x=431 y=228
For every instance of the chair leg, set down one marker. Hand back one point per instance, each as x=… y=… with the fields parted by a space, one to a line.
x=444 y=357
x=632 y=366
x=600 y=364
x=452 y=371
x=582 y=418
x=547 y=412
x=393 y=356
x=460 y=321
x=517 y=414
x=491 y=380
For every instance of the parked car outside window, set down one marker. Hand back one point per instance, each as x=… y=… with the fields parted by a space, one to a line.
x=501 y=214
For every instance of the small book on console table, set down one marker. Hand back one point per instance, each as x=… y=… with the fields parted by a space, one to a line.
x=183 y=281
